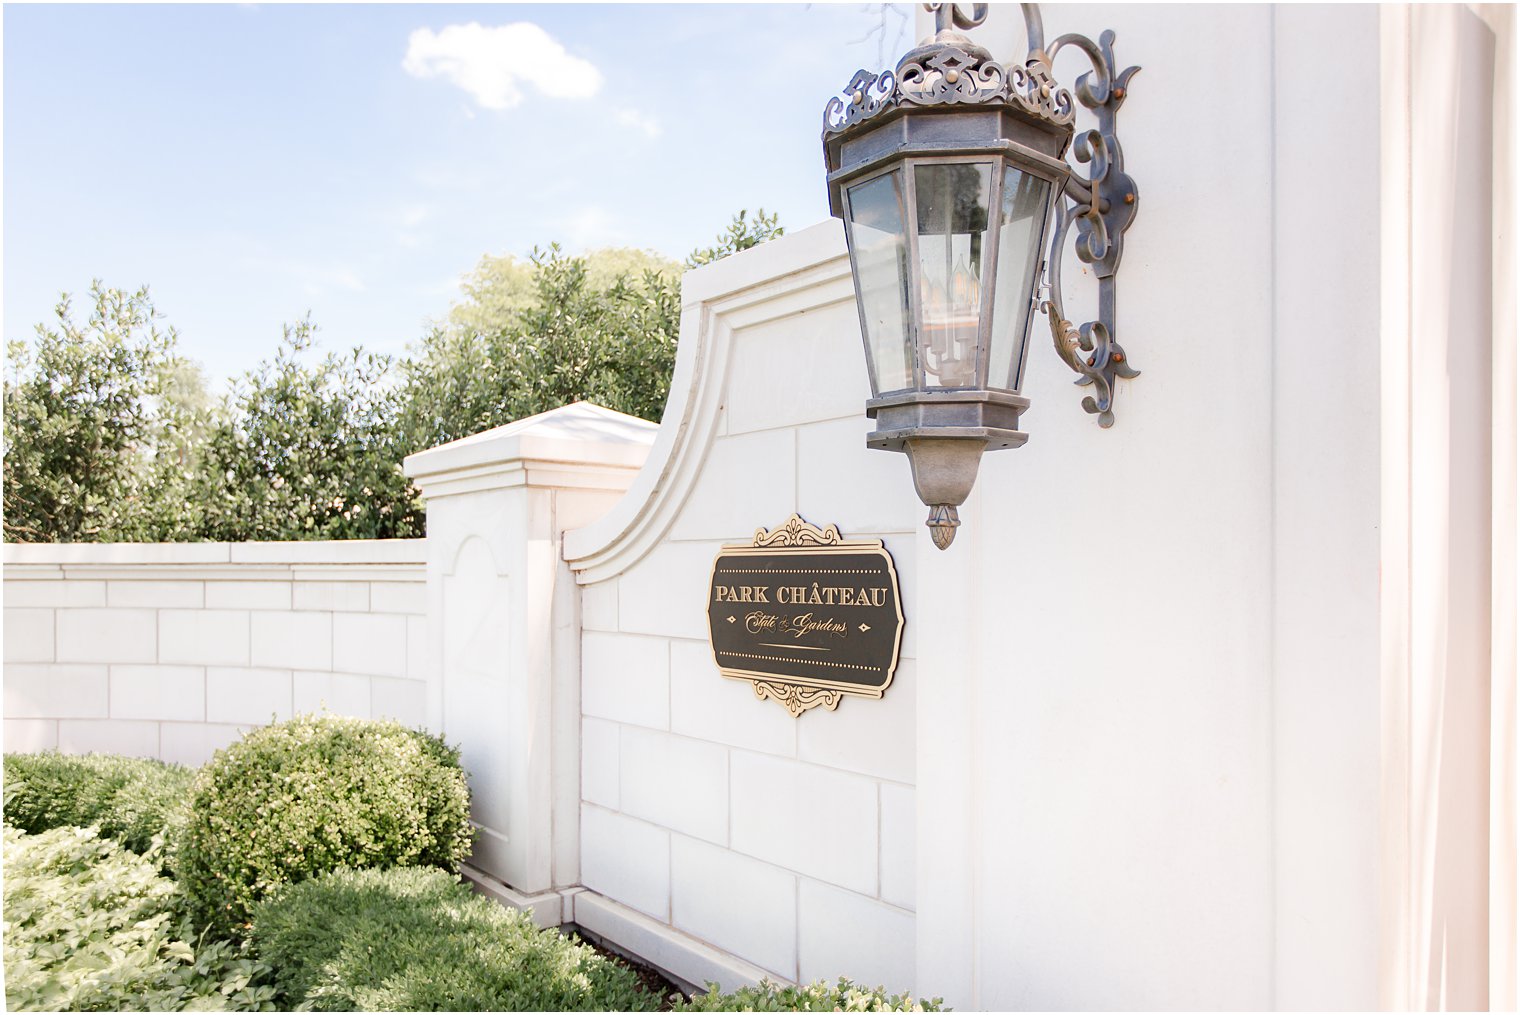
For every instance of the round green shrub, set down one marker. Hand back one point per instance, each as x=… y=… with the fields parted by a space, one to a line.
x=415 y=939
x=300 y=798
x=131 y=800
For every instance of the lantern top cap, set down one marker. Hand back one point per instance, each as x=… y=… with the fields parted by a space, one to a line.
x=947 y=68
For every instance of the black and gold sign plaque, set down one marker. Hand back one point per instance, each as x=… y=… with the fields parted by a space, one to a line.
x=806 y=616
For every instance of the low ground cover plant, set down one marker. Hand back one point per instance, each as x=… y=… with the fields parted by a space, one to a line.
x=131 y=800
x=819 y=995
x=418 y=939
x=90 y=926
x=300 y=798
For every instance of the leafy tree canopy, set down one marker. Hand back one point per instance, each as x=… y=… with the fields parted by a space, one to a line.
x=102 y=421
x=110 y=433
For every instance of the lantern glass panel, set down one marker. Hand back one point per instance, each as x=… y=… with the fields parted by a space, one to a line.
x=878 y=242
x=1025 y=200
x=952 y=200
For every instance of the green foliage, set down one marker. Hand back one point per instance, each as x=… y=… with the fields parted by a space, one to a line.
x=815 y=996
x=417 y=939
x=303 y=797
x=500 y=289
x=740 y=235
x=308 y=450
x=132 y=800
x=573 y=334
x=101 y=425
x=92 y=927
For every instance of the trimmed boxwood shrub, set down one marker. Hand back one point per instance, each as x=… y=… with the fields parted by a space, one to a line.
x=307 y=796
x=816 y=996
x=417 y=939
x=90 y=926
x=130 y=799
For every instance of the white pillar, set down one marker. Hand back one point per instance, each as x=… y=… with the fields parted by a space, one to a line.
x=504 y=624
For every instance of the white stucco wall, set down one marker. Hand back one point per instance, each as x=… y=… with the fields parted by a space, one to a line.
x=785 y=842
x=172 y=650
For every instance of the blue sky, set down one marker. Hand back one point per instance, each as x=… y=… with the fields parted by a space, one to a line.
x=254 y=162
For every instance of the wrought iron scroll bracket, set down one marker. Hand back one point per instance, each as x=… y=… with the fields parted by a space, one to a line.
x=1101 y=204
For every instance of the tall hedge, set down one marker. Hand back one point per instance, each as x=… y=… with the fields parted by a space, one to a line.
x=300 y=798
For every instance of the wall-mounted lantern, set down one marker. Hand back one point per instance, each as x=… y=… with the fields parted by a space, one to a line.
x=950 y=174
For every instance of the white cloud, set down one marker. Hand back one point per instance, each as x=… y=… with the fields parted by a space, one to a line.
x=639 y=121
x=494 y=63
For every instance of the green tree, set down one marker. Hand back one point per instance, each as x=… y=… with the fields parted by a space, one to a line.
x=308 y=450
x=500 y=289
x=101 y=425
x=577 y=333
x=741 y=234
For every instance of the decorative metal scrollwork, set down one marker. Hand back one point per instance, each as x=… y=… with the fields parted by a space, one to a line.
x=796 y=699
x=797 y=532
x=954 y=71
x=1102 y=206
x=867 y=95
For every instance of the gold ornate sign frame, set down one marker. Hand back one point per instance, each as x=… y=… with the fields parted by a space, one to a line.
x=796 y=693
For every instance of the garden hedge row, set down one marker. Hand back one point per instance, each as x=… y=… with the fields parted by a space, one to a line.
x=131 y=800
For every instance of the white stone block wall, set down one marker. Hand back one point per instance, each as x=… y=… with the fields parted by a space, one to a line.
x=787 y=843
x=173 y=650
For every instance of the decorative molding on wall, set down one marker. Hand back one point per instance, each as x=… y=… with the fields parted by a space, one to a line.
x=777 y=279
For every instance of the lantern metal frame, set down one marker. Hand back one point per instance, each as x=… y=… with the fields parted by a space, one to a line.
x=948 y=101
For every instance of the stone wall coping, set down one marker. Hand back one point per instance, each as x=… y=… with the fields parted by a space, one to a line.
x=581 y=433
x=326 y=551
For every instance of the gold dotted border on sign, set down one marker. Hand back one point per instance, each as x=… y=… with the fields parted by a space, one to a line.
x=801 y=570
x=809 y=662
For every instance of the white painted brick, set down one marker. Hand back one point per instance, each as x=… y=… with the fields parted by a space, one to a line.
x=28 y=635
x=400 y=699
x=709 y=706
x=236 y=595
x=398 y=597
x=158 y=692
x=345 y=596
x=369 y=643
x=417 y=648
x=873 y=737
x=666 y=592
x=337 y=693
x=782 y=808
x=132 y=737
x=741 y=905
x=877 y=950
x=626 y=678
x=301 y=641
x=599 y=762
x=55 y=691
x=599 y=606
x=55 y=593
x=842 y=481
x=763 y=465
x=675 y=782
x=203 y=636
x=899 y=845
x=156 y=593
x=247 y=695
x=626 y=860
x=193 y=743
x=107 y=636
x=27 y=735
